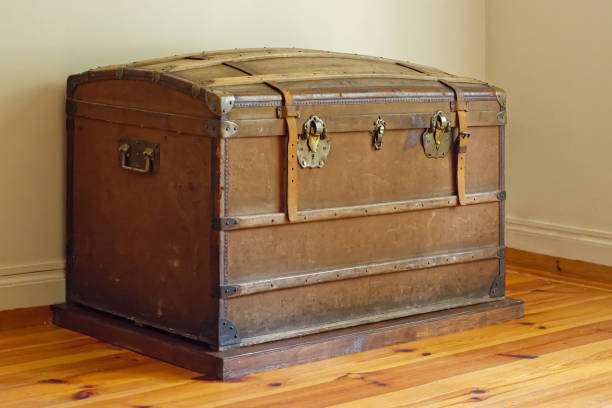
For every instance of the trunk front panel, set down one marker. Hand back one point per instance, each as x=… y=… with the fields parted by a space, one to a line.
x=262 y=253
x=355 y=173
x=297 y=311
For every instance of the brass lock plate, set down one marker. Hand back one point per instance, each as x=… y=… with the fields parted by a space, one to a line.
x=313 y=144
x=140 y=156
x=378 y=132
x=437 y=139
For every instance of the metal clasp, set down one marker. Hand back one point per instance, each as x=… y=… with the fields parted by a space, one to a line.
x=377 y=133
x=313 y=143
x=138 y=155
x=437 y=139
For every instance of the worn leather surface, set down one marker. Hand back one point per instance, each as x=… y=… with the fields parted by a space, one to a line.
x=289 y=112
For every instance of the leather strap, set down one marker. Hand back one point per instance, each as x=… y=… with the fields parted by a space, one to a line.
x=460 y=107
x=464 y=135
x=289 y=112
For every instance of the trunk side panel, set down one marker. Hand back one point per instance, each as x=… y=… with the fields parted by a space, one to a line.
x=141 y=241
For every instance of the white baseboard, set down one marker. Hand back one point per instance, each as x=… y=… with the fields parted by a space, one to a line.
x=565 y=241
x=32 y=285
x=39 y=267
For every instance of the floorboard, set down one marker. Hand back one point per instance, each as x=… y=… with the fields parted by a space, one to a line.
x=559 y=354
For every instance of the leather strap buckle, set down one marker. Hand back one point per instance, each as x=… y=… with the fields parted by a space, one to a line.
x=285 y=111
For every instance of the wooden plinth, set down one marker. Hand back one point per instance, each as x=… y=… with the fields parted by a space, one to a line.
x=238 y=362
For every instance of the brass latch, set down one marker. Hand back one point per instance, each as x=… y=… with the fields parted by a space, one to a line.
x=138 y=155
x=313 y=143
x=437 y=139
x=377 y=133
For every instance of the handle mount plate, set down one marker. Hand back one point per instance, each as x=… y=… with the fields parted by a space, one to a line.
x=140 y=156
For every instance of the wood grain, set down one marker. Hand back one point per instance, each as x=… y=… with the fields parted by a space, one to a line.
x=559 y=354
x=30 y=316
x=242 y=361
x=569 y=270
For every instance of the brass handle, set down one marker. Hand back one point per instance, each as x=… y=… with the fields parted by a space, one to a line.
x=148 y=154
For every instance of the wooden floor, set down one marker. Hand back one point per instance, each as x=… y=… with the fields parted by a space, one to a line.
x=559 y=355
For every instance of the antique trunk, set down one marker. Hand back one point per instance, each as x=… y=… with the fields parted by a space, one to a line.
x=247 y=196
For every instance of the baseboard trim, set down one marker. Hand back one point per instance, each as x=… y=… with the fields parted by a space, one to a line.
x=29 y=268
x=551 y=239
x=562 y=269
x=32 y=285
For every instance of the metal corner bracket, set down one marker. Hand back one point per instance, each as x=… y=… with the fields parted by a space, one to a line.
x=498 y=288
x=228 y=333
x=220 y=128
x=195 y=90
x=157 y=73
x=71 y=107
x=74 y=81
x=453 y=106
x=224 y=291
x=119 y=72
x=224 y=223
x=502 y=116
x=500 y=94
x=219 y=102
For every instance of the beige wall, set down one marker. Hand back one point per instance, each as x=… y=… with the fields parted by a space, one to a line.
x=554 y=59
x=45 y=41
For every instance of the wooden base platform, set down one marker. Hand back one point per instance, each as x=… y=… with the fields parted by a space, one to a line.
x=229 y=364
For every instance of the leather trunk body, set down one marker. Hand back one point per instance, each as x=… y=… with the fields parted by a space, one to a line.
x=202 y=246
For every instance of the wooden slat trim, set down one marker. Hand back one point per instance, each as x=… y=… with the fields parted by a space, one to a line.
x=141 y=117
x=317 y=76
x=202 y=54
x=312 y=278
x=151 y=61
x=369 y=336
x=242 y=361
x=424 y=69
x=451 y=304
x=244 y=56
x=196 y=90
x=261 y=53
x=270 y=220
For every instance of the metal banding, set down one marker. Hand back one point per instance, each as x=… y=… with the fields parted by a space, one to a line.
x=305 y=279
x=274 y=219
